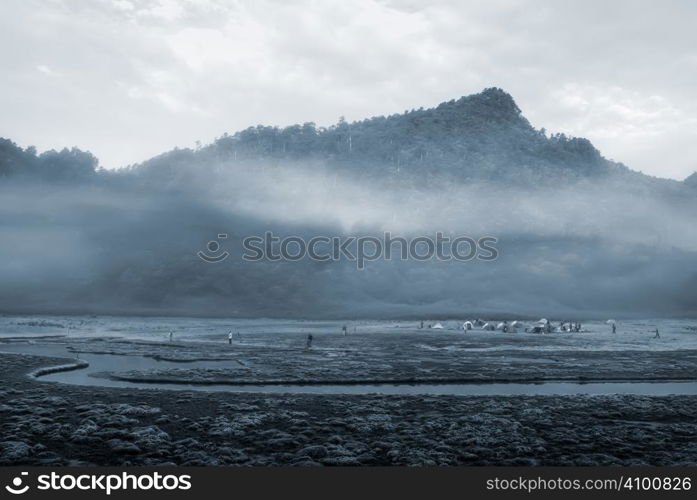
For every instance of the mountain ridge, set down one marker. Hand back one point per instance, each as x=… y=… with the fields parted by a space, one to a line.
x=481 y=136
x=576 y=233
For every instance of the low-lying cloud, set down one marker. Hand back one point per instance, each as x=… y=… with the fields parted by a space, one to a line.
x=128 y=243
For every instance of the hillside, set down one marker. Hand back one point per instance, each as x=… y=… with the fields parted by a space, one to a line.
x=478 y=137
x=578 y=235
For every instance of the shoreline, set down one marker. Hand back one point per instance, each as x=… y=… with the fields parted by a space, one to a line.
x=411 y=382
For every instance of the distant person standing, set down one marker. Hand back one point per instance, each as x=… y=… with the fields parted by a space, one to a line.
x=422 y=324
x=171 y=335
x=344 y=330
x=229 y=337
x=309 y=341
x=614 y=328
x=658 y=335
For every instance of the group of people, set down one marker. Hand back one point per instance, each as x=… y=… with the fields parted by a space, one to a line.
x=344 y=332
x=229 y=337
x=569 y=326
x=542 y=326
x=437 y=325
x=564 y=326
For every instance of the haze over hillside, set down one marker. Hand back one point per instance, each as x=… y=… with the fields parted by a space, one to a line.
x=578 y=235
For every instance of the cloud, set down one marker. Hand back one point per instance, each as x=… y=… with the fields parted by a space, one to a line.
x=140 y=77
x=627 y=122
x=617 y=113
x=42 y=68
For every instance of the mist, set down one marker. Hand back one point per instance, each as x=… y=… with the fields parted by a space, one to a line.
x=127 y=244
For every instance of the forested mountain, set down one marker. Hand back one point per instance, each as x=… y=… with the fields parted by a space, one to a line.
x=482 y=136
x=578 y=235
x=65 y=165
x=478 y=137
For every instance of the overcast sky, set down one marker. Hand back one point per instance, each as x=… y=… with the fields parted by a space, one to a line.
x=128 y=79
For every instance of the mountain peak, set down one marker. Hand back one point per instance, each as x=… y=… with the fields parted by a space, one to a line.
x=492 y=103
x=497 y=98
x=691 y=180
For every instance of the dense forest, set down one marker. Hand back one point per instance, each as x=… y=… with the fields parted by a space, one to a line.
x=478 y=137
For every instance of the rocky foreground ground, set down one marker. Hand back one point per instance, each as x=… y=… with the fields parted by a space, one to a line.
x=51 y=424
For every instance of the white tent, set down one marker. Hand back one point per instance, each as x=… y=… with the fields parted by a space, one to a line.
x=438 y=326
x=488 y=326
x=467 y=325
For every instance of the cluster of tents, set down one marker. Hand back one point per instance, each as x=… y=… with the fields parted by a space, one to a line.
x=541 y=326
x=503 y=326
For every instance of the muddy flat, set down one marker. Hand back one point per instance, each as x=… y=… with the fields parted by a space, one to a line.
x=61 y=421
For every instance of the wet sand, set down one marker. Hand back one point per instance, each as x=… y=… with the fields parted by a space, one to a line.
x=394 y=355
